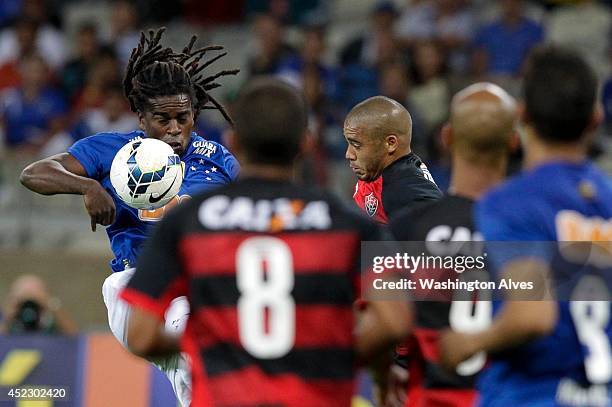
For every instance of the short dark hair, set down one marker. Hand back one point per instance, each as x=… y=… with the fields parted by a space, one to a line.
x=270 y=121
x=560 y=91
x=154 y=71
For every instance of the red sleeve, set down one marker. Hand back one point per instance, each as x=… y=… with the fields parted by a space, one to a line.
x=156 y=307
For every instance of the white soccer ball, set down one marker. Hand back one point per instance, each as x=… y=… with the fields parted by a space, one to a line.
x=146 y=174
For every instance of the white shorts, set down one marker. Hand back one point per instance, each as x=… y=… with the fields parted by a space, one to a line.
x=176 y=367
x=119 y=311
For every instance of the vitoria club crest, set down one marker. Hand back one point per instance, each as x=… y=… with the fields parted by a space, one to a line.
x=371 y=204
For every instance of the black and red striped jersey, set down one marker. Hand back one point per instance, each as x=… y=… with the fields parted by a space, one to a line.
x=448 y=220
x=271 y=271
x=404 y=184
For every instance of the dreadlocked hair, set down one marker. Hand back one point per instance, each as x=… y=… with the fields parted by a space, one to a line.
x=154 y=71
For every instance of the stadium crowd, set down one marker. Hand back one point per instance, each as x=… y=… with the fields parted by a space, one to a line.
x=60 y=76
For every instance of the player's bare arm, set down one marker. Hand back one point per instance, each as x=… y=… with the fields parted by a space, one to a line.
x=147 y=338
x=63 y=174
x=381 y=325
x=518 y=322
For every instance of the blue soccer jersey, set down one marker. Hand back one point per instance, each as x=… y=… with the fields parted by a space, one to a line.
x=206 y=165
x=573 y=365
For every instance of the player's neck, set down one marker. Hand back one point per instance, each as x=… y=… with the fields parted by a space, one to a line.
x=267 y=171
x=393 y=158
x=538 y=153
x=472 y=181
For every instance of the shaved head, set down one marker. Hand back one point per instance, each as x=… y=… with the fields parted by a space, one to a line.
x=483 y=118
x=380 y=116
x=378 y=132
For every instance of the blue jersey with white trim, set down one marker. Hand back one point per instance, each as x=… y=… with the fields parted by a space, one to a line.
x=573 y=365
x=206 y=165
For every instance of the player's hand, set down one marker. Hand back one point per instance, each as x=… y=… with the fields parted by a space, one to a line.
x=455 y=347
x=396 y=387
x=100 y=205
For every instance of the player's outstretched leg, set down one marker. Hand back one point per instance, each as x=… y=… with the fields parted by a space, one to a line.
x=176 y=367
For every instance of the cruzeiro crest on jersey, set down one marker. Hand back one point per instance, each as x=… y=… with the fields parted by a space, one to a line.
x=371 y=204
x=205 y=148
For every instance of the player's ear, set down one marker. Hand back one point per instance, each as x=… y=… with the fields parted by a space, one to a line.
x=446 y=137
x=392 y=142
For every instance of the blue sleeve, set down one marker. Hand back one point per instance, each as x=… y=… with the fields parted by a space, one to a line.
x=231 y=165
x=95 y=154
x=510 y=230
x=491 y=223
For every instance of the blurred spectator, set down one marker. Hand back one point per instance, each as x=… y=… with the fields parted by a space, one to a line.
x=605 y=141
x=113 y=116
x=9 y=75
x=48 y=40
x=124 y=29
x=279 y=9
x=161 y=11
x=378 y=44
x=45 y=12
x=454 y=30
x=29 y=308
x=356 y=83
x=211 y=11
x=394 y=84
x=270 y=48
x=9 y=10
x=317 y=79
x=310 y=57
x=34 y=112
x=449 y=22
x=501 y=47
x=416 y=22
x=430 y=94
x=287 y=11
x=585 y=26
x=311 y=166
x=104 y=72
x=25 y=32
x=362 y=58
x=74 y=74
x=325 y=131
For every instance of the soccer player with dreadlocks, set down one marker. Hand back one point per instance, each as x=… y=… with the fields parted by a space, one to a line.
x=167 y=90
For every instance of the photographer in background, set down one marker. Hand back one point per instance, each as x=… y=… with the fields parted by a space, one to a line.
x=30 y=309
